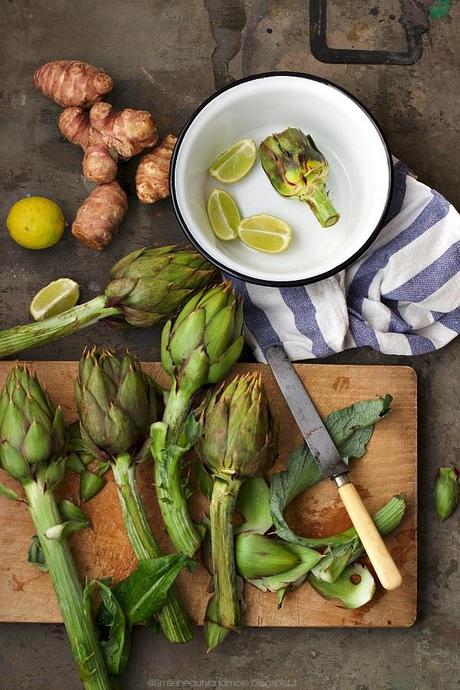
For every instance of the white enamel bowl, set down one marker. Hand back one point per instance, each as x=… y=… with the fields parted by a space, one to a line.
x=359 y=182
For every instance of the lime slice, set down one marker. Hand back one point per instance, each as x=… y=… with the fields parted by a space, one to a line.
x=58 y=296
x=265 y=233
x=223 y=215
x=234 y=163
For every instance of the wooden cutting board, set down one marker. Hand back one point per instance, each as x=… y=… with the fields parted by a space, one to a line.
x=388 y=468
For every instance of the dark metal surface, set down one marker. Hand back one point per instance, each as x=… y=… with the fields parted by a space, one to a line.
x=414 y=19
x=168 y=56
x=304 y=412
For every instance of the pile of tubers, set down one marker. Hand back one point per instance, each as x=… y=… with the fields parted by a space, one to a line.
x=105 y=137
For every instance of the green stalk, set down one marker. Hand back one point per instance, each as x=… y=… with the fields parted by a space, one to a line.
x=41 y=332
x=172 y=617
x=322 y=207
x=79 y=625
x=223 y=502
x=168 y=477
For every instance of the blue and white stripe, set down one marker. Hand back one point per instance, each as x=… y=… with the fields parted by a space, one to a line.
x=401 y=297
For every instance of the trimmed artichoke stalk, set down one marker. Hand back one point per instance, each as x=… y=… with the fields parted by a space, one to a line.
x=117 y=404
x=446 y=492
x=31 y=451
x=198 y=349
x=147 y=287
x=297 y=168
x=237 y=442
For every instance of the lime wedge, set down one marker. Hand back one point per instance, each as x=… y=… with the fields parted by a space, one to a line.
x=58 y=296
x=234 y=163
x=265 y=233
x=223 y=215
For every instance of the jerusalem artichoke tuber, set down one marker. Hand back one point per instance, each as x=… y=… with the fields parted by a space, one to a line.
x=99 y=165
x=74 y=126
x=99 y=216
x=152 y=176
x=72 y=83
x=127 y=132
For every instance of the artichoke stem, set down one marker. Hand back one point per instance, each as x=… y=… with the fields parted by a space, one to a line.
x=78 y=623
x=41 y=332
x=176 y=412
x=224 y=496
x=322 y=207
x=168 y=479
x=172 y=617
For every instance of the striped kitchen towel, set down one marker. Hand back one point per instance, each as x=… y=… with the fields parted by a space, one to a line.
x=401 y=297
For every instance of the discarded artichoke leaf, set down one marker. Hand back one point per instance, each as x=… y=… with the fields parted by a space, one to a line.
x=354 y=588
x=446 y=492
x=254 y=504
x=8 y=493
x=308 y=558
x=90 y=485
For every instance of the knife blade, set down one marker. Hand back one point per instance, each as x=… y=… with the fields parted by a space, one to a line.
x=331 y=464
x=304 y=412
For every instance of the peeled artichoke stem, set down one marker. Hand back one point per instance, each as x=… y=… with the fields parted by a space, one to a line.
x=77 y=619
x=321 y=206
x=173 y=621
x=171 y=497
x=34 y=334
x=223 y=502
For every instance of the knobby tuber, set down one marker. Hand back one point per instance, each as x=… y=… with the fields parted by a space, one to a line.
x=99 y=163
x=127 y=132
x=99 y=216
x=72 y=83
x=152 y=176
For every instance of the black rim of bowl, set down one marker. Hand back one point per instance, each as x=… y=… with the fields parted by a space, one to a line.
x=243 y=276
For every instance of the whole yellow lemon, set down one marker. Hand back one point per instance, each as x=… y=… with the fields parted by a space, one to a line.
x=35 y=222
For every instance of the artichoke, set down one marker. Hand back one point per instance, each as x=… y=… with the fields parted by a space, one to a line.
x=238 y=438
x=205 y=340
x=237 y=441
x=297 y=168
x=32 y=431
x=148 y=286
x=198 y=349
x=116 y=403
x=32 y=450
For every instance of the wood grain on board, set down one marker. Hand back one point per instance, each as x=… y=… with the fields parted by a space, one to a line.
x=388 y=468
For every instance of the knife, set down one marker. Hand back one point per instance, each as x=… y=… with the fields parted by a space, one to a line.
x=331 y=464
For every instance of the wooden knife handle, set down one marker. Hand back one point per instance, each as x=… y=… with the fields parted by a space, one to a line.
x=379 y=556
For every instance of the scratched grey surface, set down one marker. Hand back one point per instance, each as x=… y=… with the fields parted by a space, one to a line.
x=167 y=56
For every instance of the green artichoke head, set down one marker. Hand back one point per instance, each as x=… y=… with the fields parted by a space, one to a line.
x=32 y=429
x=151 y=285
x=238 y=437
x=205 y=340
x=297 y=168
x=115 y=401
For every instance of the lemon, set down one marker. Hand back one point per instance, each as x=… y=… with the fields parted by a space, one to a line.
x=58 y=296
x=35 y=222
x=265 y=233
x=235 y=162
x=223 y=215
